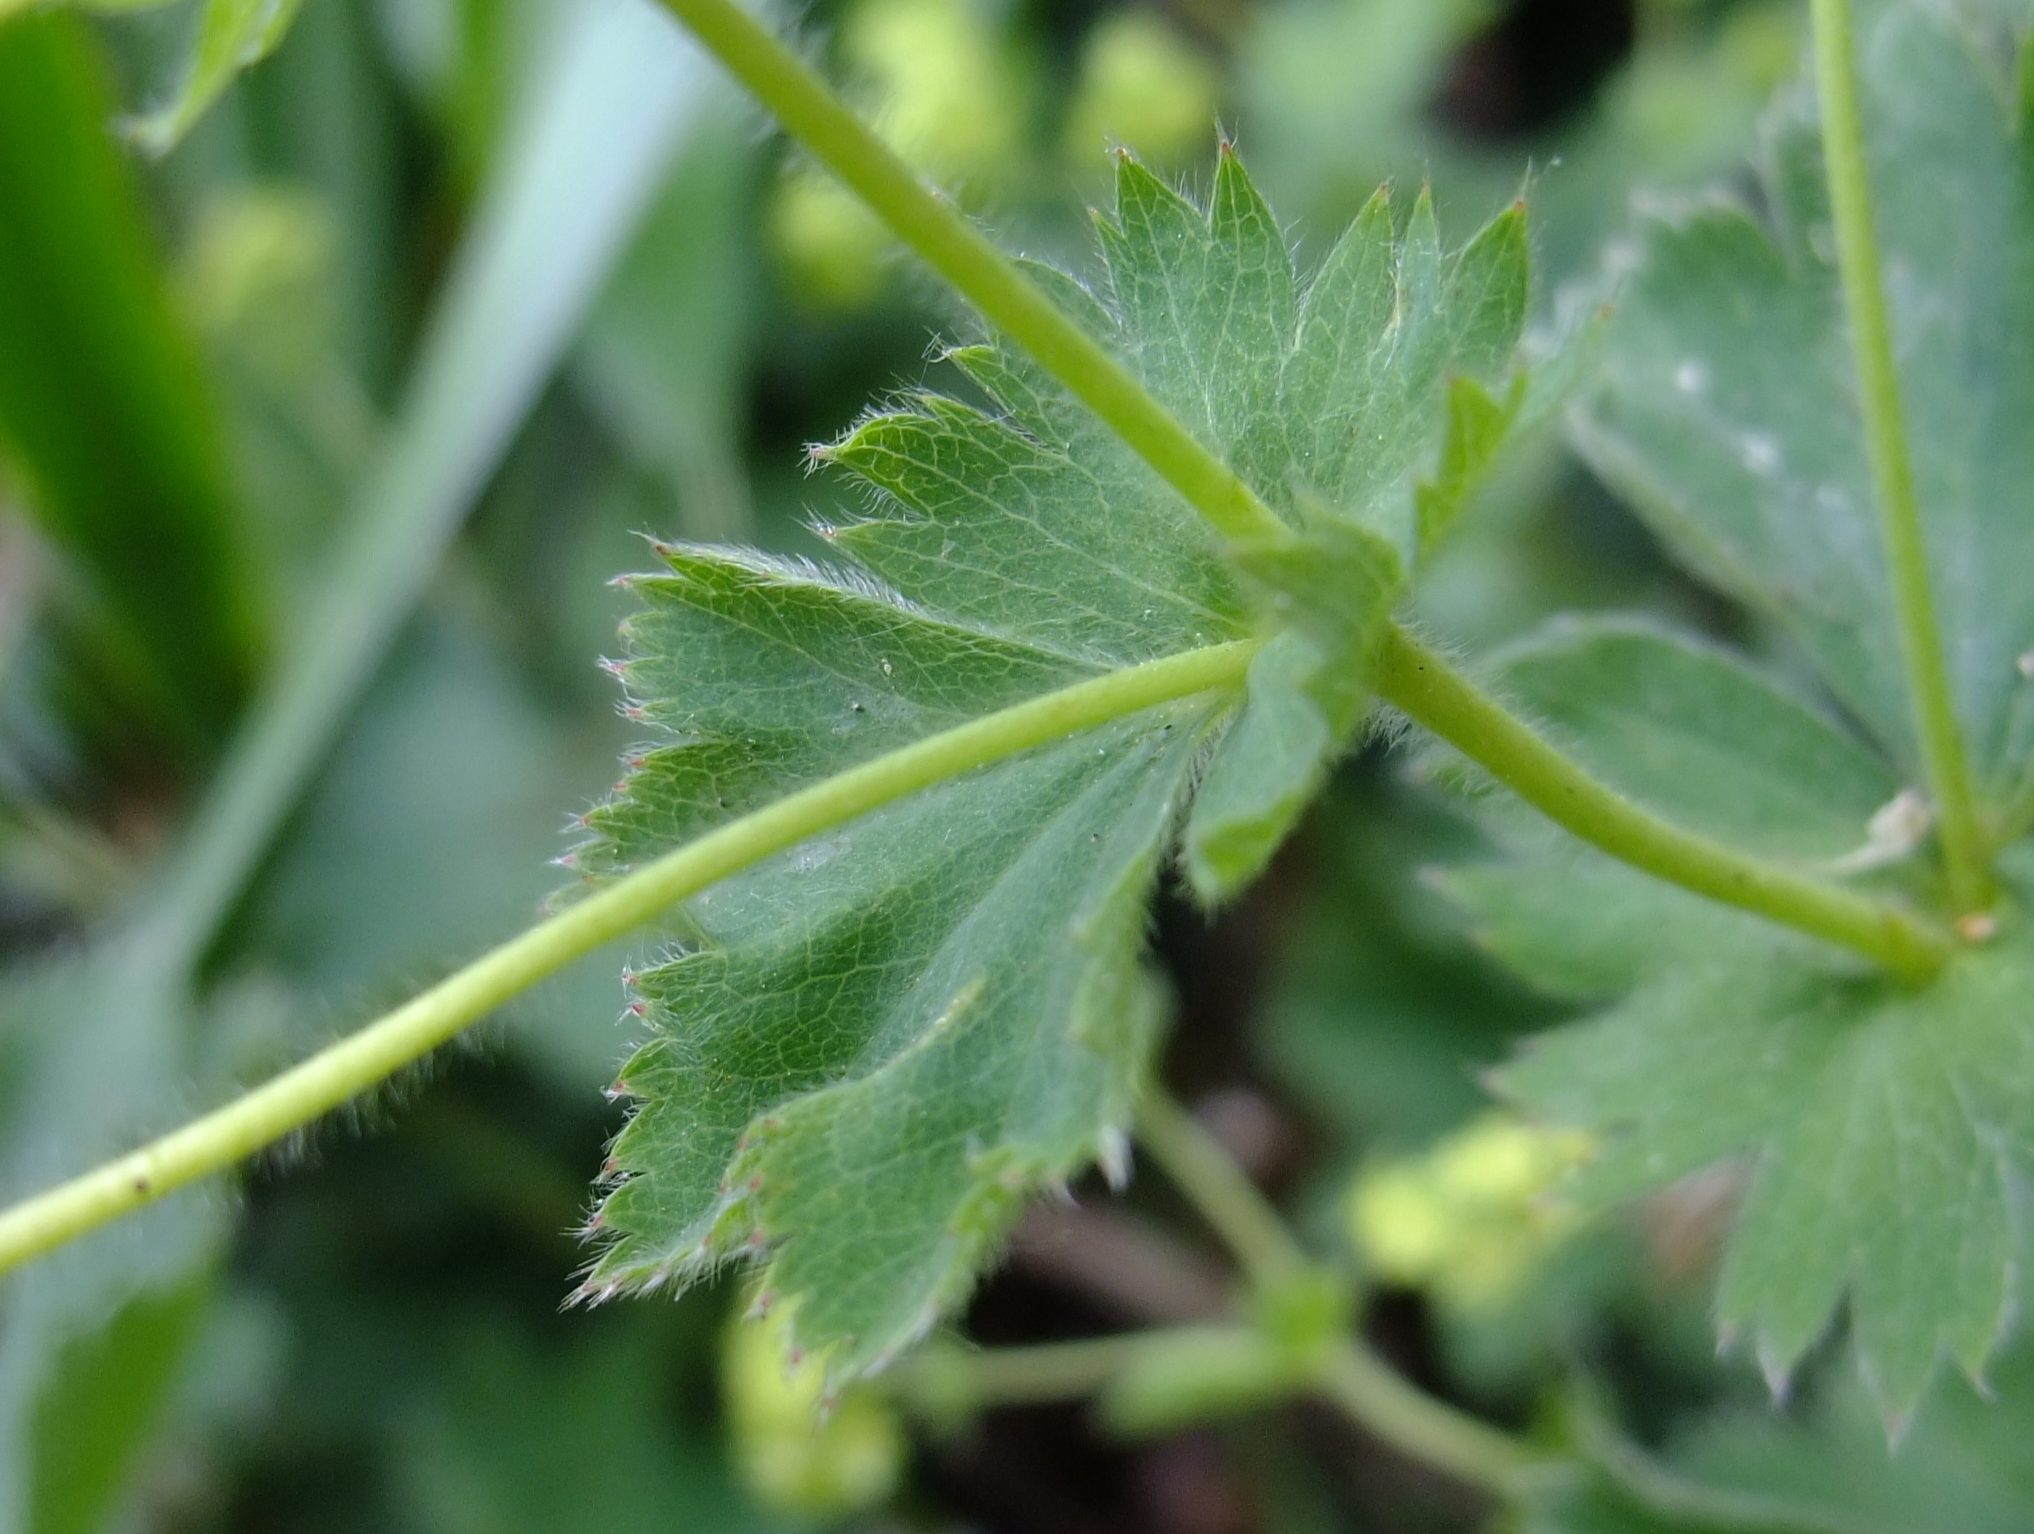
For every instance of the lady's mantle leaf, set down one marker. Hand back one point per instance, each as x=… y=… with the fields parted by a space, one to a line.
x=1728 y=413
x=864 y=1054
x=1884 y=1128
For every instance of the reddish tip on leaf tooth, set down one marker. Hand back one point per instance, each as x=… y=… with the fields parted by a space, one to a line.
x=637 y=1009
x=617 y=668
x=634 y=763
x=795 y=1357
x=633 y=711
x=756 y=1183
x=757 y=1240
x=609 y=1167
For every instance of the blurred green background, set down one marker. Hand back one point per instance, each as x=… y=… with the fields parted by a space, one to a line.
x=323 y=433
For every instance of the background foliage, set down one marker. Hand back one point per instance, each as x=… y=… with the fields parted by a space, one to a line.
x=517 y=277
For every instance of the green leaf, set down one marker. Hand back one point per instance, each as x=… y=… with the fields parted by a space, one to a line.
x=1820 y=1468
x=107 y=1389
x=1727 y=413
x=865 y=1054
x=232 y=35
x=99 y=1049
x=1695 y=734
x=1882 y=1127
x=510 y=1439
x=1883 y=1131
x=106 y=414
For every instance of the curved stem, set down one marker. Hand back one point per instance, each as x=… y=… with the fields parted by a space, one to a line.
x=1355 y=1379
x=1724 y=1510
x=1227 y=1199
x=304 y=1092
x=986 y=277
x=1434 y=694
x=1373 y=1395
x=1857 y=259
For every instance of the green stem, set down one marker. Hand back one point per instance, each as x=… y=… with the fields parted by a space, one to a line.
x=300 y=1095
x=951 y=1381
x=1377 y=1398
x=1435 y=695
x=1346 y=1372
x=1857 y=259
x=987 y=278
x=1227 y=1199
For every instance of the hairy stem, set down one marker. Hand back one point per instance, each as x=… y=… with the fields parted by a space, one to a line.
x=1864 y=297
x=306 y=1091
x=961 y=254
x=1199 y=1167
x=1435 y=695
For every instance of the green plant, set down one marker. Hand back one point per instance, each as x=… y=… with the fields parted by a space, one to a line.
x=918 y=800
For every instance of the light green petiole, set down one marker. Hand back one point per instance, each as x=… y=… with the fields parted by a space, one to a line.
x=1416 y=680
x=961 y=254
x=1964 y=851
x=301 y=1094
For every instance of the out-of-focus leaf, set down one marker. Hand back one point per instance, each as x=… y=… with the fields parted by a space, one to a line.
x=519 y=1443
x=1822 y=1468
x=115 y=1047
x=1379 y=1013
x=1888 y=1129
x=1728 y=415
x=1694 y=733
x=106 y=1389
x=96 y=1046
x=232 y=35
x=104 y=409
x=663 y=352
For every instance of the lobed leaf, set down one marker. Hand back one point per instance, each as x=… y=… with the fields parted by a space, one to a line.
x=1728 y=416
x=1883 y=1128
x=864 y=1054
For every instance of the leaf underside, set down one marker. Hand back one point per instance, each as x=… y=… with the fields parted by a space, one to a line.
x=863 y=1055
x=1884 y=1134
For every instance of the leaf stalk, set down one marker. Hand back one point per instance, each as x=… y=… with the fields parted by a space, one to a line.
x=1196 y=1163
x=1433 y=694
x=988 y=279
x=312 y=1088
x=1964 y=850
x=1366 y=1389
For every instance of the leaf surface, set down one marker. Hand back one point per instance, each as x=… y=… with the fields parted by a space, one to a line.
x=1727 y=412
x=864 y=1054
x=1882 y=1128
